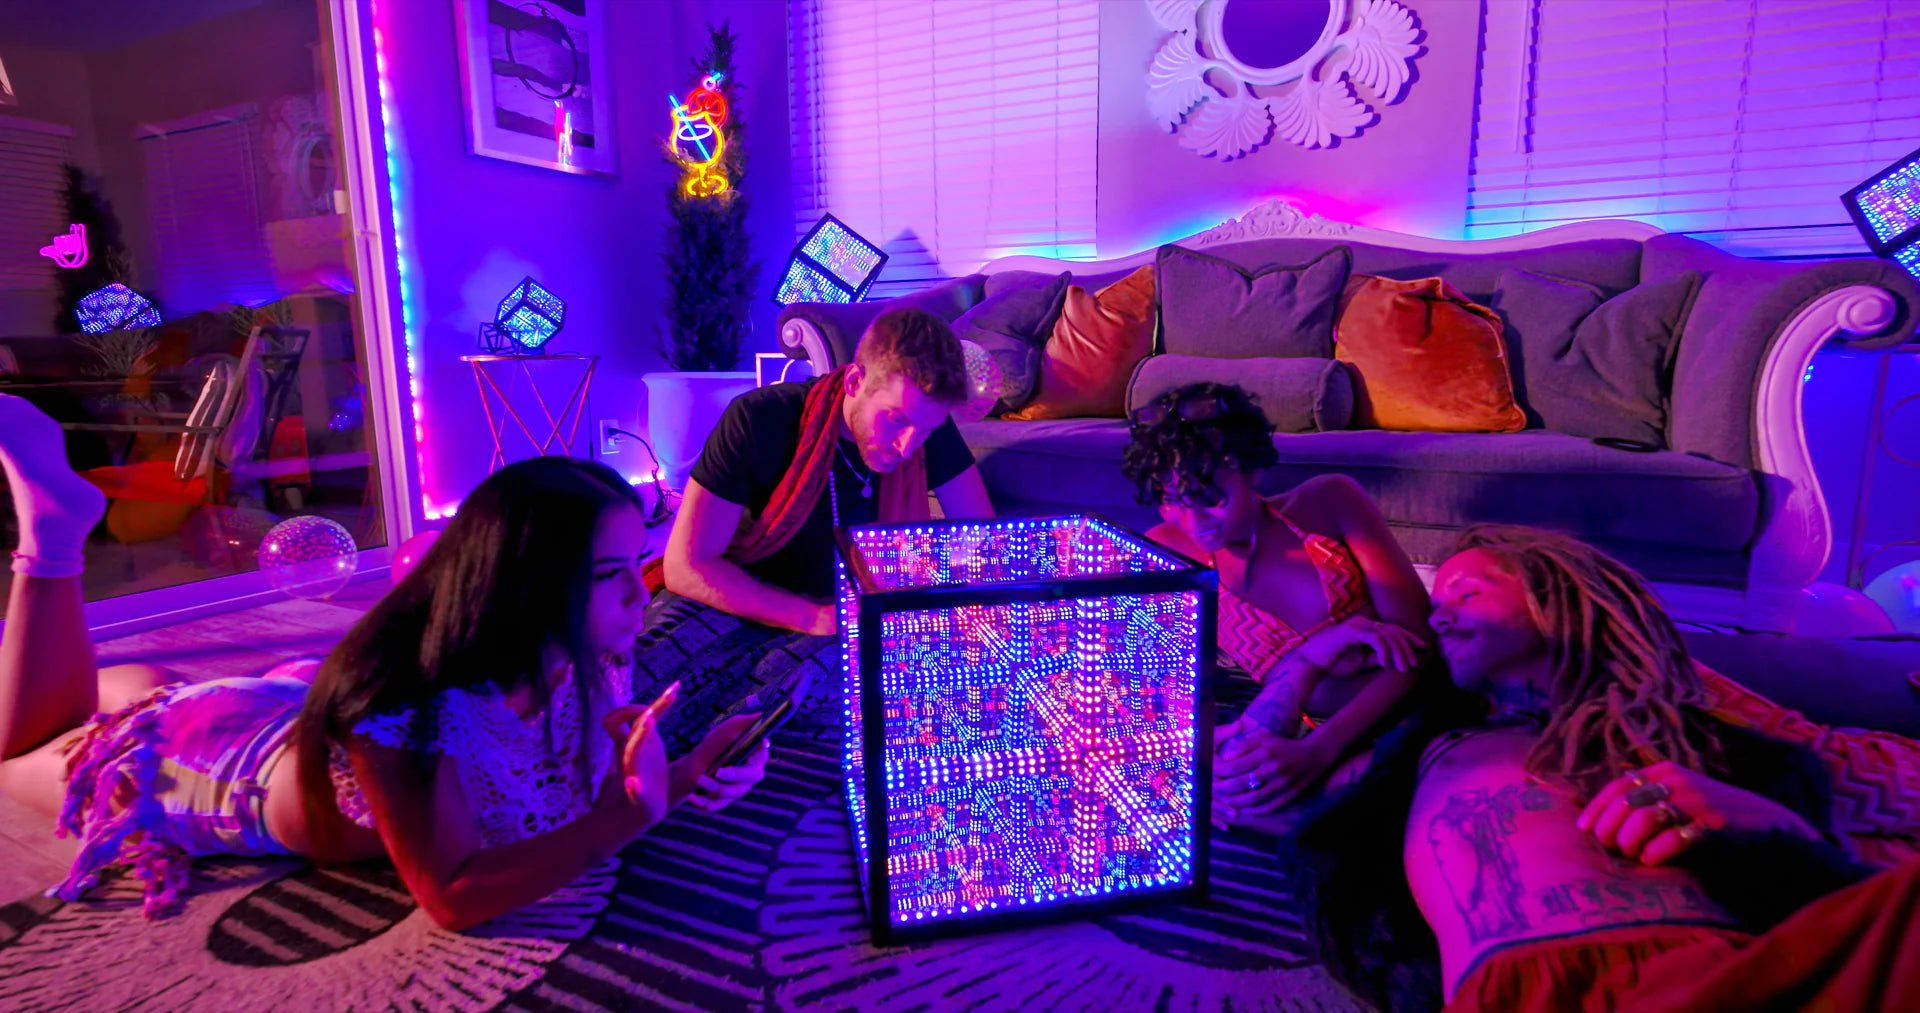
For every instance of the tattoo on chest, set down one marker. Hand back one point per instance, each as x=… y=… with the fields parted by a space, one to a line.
x=1471 y=837
x=1472 y=845
x=1610 y=900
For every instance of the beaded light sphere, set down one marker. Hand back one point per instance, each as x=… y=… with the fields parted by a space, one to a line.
x=308 y=557
x=1027 y=719
x=983 y=383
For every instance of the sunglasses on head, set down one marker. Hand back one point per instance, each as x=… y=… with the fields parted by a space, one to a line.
x=1190 y=409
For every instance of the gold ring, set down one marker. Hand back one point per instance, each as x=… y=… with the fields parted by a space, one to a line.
x=1689 y=834
x=1636 y=777
x=1669 y=815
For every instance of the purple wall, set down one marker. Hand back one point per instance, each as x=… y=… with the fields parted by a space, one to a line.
x=1408 y=171
x=475 y=226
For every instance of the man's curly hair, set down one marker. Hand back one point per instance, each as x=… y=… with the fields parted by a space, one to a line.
x=1180 y=459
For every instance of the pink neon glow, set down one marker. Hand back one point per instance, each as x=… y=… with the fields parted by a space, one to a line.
x=389 y=123
x=69 y=250
x=563 y=132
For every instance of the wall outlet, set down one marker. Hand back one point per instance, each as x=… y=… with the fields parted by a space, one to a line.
x=609 y=441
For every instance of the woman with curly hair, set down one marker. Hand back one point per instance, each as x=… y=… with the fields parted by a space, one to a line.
x=1311 y=583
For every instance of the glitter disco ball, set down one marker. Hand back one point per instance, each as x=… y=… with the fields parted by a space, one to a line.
x=308 y=557
x=983 y=383
x=1028 y=723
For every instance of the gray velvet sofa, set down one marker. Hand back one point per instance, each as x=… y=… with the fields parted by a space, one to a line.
x=1728 y=520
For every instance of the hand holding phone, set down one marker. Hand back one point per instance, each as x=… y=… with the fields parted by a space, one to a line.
x=749 y=740
x=711 y=786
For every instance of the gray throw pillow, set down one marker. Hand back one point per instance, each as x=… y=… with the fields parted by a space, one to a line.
x=1013 y=325
x=1298 y=395
x=1213 y=307
x=1591 y=366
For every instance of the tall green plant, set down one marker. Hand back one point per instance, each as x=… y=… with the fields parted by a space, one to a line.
x=107 y=256
x=711 y=273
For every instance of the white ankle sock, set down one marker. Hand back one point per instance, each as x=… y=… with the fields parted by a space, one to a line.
x=56 y=507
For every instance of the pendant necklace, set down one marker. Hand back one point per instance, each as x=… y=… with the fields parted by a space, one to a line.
x=866 y=480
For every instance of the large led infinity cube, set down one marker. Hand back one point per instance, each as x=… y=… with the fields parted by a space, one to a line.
x=1886 y=209
x=527 y=319
x=831 y=264
x=115 y=307
x=1028 y=720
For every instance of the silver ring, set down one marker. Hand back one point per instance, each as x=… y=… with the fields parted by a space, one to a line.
x=1648 y=794
x=1253 y=782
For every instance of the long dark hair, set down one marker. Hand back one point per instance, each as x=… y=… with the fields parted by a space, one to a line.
x=508 y=578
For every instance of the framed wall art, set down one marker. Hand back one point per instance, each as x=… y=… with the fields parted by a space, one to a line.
x=537 y=81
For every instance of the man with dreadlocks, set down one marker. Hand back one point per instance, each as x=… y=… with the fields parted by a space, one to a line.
x=1579 y=834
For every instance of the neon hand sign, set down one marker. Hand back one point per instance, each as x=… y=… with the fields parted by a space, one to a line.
x=698 y=143
x=68 y=251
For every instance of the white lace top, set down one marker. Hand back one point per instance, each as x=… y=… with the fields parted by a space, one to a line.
x=515 y=783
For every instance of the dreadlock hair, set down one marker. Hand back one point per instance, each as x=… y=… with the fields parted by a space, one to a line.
x=1623 y=691
x=1179 y=457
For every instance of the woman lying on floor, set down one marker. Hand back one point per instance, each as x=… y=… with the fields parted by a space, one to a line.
x=1311 y=581
x=475 y=726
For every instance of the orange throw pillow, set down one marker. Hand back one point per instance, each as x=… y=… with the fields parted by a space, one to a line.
x=1425 y=358
x=1097 y=341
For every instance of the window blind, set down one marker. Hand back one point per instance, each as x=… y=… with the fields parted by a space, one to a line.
x=203 y=198
x=1738 y=121
x=33 y=202
x=950 y=132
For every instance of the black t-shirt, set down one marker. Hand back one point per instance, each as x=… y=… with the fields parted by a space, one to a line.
x=752 y=446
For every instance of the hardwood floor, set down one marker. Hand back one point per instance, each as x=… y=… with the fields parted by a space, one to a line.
x=235 y=644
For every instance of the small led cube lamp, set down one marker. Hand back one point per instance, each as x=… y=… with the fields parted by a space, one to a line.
x=831 y=264
x=528 y=318
x=1029 y=731
x=1886 y=209
x=115 y=307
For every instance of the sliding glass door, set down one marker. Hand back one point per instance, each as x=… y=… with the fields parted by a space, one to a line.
x=182 y=286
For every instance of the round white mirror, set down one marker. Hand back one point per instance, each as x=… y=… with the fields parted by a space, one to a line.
x=1269 y=42
x=1233 y=73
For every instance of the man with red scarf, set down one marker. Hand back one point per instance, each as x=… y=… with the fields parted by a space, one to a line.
x=749 y=567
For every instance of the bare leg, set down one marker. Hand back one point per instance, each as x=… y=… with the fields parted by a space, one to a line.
x=47 y=670
x=37 y=778
x=48 y=681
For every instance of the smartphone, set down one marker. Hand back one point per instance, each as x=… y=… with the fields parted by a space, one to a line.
x=750 y=740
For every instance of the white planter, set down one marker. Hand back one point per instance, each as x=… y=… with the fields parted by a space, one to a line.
x=681 y=411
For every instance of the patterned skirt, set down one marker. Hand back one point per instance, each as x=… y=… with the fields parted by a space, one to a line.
x=180 y=772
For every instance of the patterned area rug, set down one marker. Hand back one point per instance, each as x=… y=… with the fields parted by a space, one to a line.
x=755 y=908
